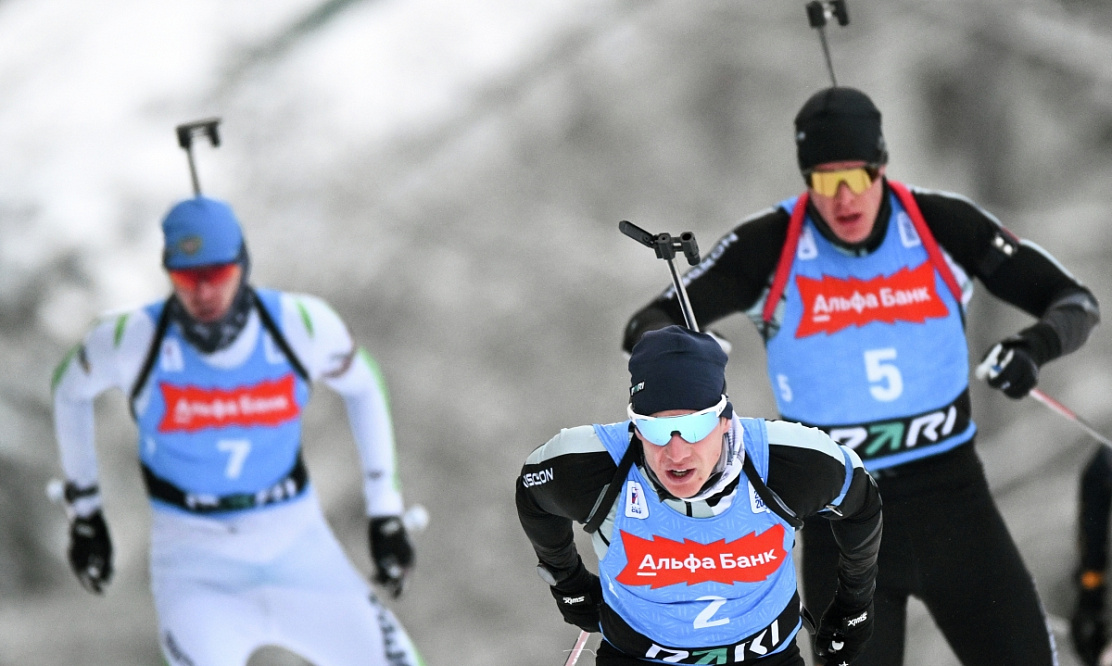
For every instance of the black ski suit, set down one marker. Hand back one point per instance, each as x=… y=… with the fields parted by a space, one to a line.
x=944 y=539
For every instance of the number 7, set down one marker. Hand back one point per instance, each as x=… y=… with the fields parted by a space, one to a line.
x=238 y=450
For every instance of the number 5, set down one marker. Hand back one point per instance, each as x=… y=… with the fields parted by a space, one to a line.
x=885 y=377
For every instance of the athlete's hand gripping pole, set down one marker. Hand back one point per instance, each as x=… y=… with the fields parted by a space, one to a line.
x=186 y=132
x=665 y=246
x=987 y=370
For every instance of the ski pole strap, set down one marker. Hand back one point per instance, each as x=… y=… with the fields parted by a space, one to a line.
x=769 y=496
x=287 y=488
x=602 y=509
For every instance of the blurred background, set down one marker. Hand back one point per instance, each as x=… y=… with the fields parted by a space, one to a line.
x=450 y=175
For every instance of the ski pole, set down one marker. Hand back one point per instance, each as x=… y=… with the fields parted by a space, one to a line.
x=993 y=364
x=817 y=13
x=666 y=245
x=577 y=650
x=1062 y=410
x=186 y=132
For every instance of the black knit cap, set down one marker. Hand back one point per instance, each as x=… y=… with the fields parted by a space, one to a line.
x=839 y=125
x=676 y=368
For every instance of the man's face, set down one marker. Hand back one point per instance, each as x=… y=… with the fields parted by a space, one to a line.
x=682 y=467
x=207 y=292
x=850 y=216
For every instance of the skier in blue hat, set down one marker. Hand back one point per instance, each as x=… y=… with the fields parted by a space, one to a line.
x=217 y=377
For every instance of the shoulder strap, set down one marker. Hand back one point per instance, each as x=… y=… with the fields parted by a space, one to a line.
x=152 y=354
x=279 y=339
x=768 y=495
x=929 y=244
x=784 y=266
x=602 y=509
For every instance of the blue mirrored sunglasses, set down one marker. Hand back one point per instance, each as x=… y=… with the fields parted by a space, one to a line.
x=692 y=427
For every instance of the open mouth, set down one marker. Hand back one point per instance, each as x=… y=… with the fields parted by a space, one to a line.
x=679 y=473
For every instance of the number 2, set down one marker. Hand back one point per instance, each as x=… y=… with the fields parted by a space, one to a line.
x=702 y=620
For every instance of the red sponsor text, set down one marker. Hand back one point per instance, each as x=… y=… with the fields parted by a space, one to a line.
x=190 y=408
x=831 y=304
x=659 y=562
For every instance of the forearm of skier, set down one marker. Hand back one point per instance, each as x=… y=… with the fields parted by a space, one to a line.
x=858 y=533
x=551 y=535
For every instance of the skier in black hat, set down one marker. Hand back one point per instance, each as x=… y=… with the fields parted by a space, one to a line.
x=692 y=511
x=858 y=288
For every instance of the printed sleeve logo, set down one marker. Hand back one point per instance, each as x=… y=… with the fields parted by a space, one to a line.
x=190 y=408
x=540 y=478
x=660 y=562
x=831 y=304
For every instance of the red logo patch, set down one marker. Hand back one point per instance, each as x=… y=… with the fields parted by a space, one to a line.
x=189 y=408
x=660 y=562
x=831 y=304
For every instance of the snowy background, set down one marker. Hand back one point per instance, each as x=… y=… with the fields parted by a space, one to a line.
x=449 y=174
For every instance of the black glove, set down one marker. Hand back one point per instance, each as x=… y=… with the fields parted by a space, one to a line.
x=579 y=598
x=90 y=552
x=391 y=552
x=843 y=632
x=1087 y=625
x=1011 y=367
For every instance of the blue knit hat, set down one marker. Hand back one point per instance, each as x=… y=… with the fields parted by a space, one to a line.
x=201 y=232
x=677 y=368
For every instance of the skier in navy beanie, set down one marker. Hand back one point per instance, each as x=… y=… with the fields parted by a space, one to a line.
x=677 y=368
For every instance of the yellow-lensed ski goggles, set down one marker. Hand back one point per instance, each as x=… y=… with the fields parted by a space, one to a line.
x=857 y=179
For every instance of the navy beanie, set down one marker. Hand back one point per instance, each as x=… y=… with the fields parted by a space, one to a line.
x=839 y=125
x=201 y=232
x=676 y=368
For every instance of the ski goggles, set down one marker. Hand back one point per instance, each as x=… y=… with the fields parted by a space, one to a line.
x=692 y=428
x=191 y=278
x=857 y=179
